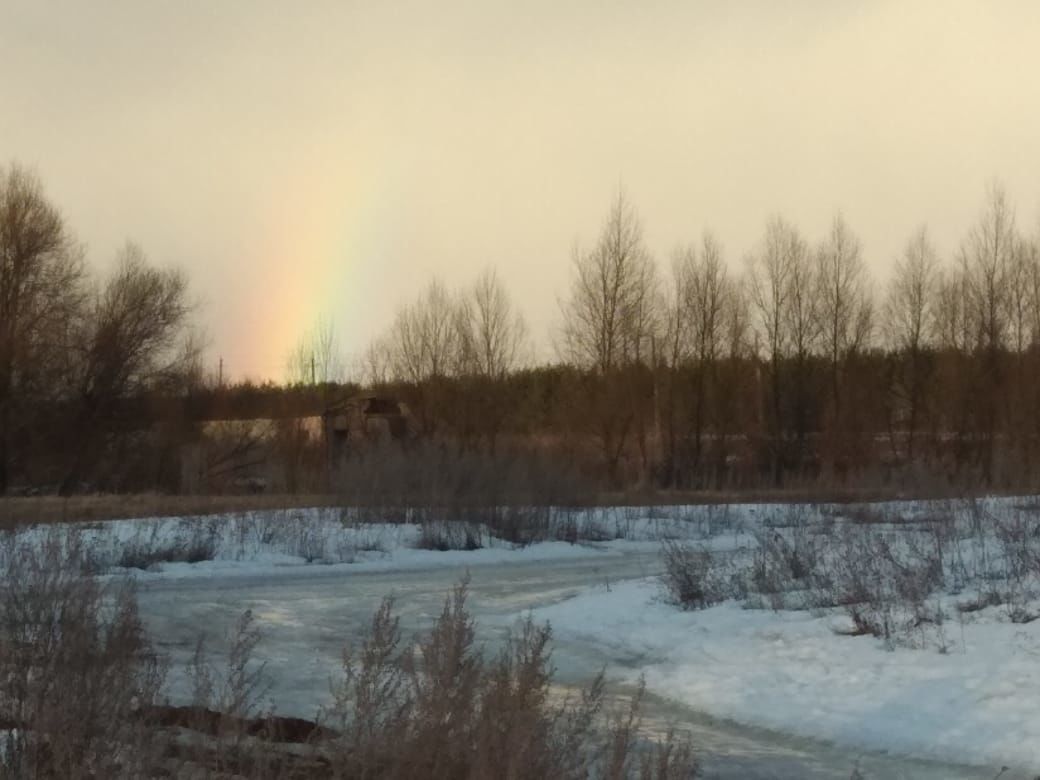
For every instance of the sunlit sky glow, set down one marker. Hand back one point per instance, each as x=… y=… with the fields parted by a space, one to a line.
x=329 y=158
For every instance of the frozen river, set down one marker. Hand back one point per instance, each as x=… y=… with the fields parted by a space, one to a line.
x=307 y=613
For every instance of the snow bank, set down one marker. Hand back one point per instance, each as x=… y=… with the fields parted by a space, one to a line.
x=978 y=703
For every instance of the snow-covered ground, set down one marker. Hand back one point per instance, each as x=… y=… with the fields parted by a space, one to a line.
x=251 y=543
x=977 y=703
x=955 y=680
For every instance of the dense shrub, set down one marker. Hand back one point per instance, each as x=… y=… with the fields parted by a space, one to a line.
x=76 y=671
x=691 y=578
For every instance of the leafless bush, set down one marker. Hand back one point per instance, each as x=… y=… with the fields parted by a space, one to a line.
x=226 y=704
x=690 y=578
x=784 y=563
x=883 y=586
x=443 y=711
x=308 y=540
x=715 y=520
x=192 y=544
x=667 y=759
x=522 y=525
x=602 y=524
x=76 y=671
x=310 y=535
x=1019 y=544
x=449 y=535
x=589 y=524
x=469 y=527
x=1018 y=534
x=1006 y=558
x=260 y=528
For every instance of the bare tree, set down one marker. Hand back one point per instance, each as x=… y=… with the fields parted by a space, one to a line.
x=1030 y=381
x=708 y=294
x=803 y=324
x=953 y=322
x=845 y=310
x=41 y=276
x=492 y=343
x=493 y=334
x=1031 y=252
x=609 y=328
x=783 y=294
x=844 y=301
x=313 y=362
x=705 y=296
x=424 y=337
x=987 y=258
x=910 y=315
x=673 y=352
x=134 y=338
x=608 y=316
x=1022 y=307
x=738 y=378
x=770 y=270
x=315 y=359
x=374 y=365
x=424 y=349
x=1021 y=301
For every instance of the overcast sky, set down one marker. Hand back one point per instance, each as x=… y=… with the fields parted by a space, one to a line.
x=329 y=158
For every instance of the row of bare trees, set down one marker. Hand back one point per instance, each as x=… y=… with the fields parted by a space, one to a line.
x=77 y=348
x=477 y=331
x=455 y=350
x=799 y=367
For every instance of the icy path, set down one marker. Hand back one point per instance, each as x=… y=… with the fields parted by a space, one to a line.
x=306 y=613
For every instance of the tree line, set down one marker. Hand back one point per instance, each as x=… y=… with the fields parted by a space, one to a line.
x=796 y=369
x=80 y=353
x=792 y=367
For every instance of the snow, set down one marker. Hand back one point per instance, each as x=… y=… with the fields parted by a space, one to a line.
x=978 y=703
x=968 y=691
x=319 y=540
x=397 y=559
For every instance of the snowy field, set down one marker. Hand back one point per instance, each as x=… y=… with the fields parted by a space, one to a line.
x=902 y=627
x=790 y=671
x=251 y=543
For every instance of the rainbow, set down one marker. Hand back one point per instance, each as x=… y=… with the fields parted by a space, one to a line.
x=321 y=249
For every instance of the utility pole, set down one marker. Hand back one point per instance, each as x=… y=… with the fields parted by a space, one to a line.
x=312 y=370
x=220 y=373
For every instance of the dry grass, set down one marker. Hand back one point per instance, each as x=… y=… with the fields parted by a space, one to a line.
x=436 y=708
x=45 y=510
x=76 y=671
x=16 y=511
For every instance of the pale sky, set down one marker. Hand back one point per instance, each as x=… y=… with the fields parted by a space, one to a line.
x=328 y=159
